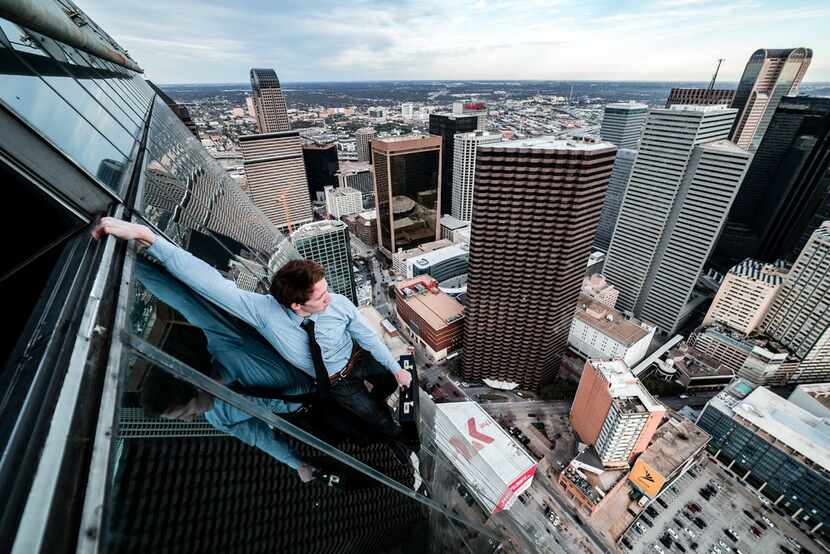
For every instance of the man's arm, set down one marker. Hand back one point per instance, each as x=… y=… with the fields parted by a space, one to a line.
x=366 y=337
x=189 y=269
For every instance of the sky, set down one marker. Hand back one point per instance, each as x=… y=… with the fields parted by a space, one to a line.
x=208 y=41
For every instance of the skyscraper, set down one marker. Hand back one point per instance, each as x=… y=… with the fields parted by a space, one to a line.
x=770 y=75
x=678 y=196
x=617 y=185
x=363 y=139
x=447 y=126
x=408 y=190
x=699 y=97
x=464 y=170
x=775 y=210
x=269 y=102
x=800 y=316
x=535 y=211
x=342 y=201
x=276 y=177
x=327 y=243
x=407 y=110
x=622 y=123
x=321 y=167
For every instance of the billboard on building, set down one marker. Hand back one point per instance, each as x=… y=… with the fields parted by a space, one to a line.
x=646 y=478
x=494 y=467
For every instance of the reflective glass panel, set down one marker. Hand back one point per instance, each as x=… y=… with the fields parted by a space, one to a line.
x=41 y=107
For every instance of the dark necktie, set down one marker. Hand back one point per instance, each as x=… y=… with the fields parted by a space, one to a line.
x=317 y=357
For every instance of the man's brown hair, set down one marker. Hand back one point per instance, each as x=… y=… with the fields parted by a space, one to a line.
x=294 y=281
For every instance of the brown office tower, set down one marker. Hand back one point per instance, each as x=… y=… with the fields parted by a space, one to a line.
x=699 y=97
x=408 y=190
x=269 y=102
x=769 y=76
x=535 y=212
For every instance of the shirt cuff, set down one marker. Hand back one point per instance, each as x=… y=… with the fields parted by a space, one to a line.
x=161 y=249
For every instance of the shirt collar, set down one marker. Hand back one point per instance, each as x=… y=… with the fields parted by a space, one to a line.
x=298 y=320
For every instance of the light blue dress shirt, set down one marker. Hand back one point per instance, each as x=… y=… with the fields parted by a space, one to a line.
x=335 y=328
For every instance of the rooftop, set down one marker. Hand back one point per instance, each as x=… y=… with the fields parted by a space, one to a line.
x=790 y=424
x=423 y=249
x=343 y=191
x=353 y=167
x=624 y=386
x=318 y=228
x=436 y=307
x=820 y=392
x=771 y=274
x=452 y=223
x=696 y=364
x=627 y=106
x=673 y=443
x=550 y=143
x=395 y=343
x=609 y=321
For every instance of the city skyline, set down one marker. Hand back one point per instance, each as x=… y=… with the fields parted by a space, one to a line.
x=665 y=40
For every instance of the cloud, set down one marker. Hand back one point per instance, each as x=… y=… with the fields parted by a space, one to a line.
x=466 y=39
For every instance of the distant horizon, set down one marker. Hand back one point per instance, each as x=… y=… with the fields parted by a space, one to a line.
x=282 y=82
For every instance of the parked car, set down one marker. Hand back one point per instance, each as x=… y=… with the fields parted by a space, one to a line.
x=748 y=514
x=651 y=511
x=767 y=521
x=700 y=523
x=673 y=534
x=626 y=543
x=689 y=532
x=678 y=522
x=662 y=502
x=647 y=521
x=731 y=534
x=755 y=531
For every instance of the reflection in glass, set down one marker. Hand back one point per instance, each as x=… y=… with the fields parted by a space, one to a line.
x=33 y=100
x=185 y=189
x=223 y=348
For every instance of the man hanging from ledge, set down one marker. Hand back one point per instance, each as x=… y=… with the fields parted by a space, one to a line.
x=319 y=332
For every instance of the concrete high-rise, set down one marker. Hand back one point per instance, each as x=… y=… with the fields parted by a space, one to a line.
x=622 y=123
x=269 y=102
x=407 y=110
x=276 y=177
x=745 y=296
x=464 y=170
x=617 y=185
x=800 y=316
x=700 y=97
x=447 y=126
x=535 y=211
x=358 y=175
x=408 y=190
x=769 y=75
x=363 y=139
x=327 y=243
x=780 y=202
x=614 y=412
x=342 y=201
x=684 y=180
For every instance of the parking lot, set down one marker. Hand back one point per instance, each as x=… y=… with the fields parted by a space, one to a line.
x=734 y=506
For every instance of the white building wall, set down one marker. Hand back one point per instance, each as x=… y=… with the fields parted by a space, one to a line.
x=593 y=343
